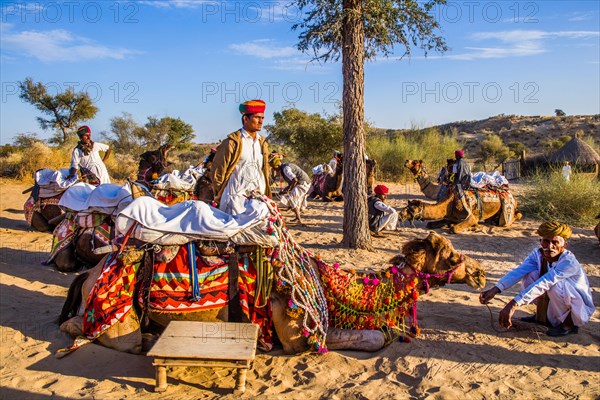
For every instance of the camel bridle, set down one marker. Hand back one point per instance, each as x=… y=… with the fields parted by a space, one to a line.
x=424 y=276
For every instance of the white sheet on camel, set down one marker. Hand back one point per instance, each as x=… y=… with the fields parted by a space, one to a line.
x=482 y=179
x=194 y=220
x=107 y=198
x=178 y=181
x=53 y=183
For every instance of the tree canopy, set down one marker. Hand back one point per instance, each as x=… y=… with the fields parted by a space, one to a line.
x=127 y=136
x=65 y=109
x=310 y=135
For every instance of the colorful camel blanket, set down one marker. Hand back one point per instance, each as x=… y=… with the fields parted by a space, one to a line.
x=112 y=296
x=72 y=225
x=32 y=205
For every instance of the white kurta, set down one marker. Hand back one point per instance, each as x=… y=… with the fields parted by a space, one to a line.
x=296 y=198
x=92 y=161
x=389 y=220
x=246 y=176
x=565 y=282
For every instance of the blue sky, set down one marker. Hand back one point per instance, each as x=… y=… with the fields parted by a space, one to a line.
x=197 y=60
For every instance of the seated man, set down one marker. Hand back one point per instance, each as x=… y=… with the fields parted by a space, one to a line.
x=381 y=216
x=294 y=195
x=554 y=271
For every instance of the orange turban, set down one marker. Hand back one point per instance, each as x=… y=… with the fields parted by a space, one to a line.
x=253 y=107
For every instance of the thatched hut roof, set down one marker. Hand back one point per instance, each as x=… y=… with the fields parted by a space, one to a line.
x=577 y=152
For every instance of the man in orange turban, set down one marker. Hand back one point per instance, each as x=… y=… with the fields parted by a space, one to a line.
x=550 y=271
x=241 y=161
x=381 y=216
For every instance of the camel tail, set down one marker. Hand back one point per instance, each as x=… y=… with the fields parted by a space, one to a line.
x=73 y=300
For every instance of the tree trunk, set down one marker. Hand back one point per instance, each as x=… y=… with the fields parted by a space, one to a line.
x=356 y=228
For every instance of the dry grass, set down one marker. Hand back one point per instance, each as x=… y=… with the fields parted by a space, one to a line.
x=551 y=198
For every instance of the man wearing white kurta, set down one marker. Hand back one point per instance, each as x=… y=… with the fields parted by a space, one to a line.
x=86 y=156
x=381 y=216
x=565 y=282
x=240 y=163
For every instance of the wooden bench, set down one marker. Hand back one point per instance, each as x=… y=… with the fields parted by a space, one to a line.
x=205 y=344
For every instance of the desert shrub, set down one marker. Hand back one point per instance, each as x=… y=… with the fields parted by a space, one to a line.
x=576 y=202
x=122 y=167
x=23 y=162
x=493 y=151
x=428 y=145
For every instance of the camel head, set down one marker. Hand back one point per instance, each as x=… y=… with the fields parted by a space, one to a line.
x=412 y=211
x=416 y=167
x=436 y=262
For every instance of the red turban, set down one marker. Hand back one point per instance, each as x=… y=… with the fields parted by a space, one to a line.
x=83 y=130
x=459 y=153
x=380 y=189
x=253 y=107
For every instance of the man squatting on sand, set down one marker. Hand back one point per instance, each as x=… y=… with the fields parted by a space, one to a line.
x=381 y=216
x=241 y=161
x=554 y=271
x=294 y=194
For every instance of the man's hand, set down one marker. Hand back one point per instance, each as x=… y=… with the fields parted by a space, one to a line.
x=507 y=313
x=487 y=295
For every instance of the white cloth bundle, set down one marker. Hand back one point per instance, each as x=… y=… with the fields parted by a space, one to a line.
x=194 y=220
x=178 y=181
x=107 y=198
x=482 y=179
x=53 y=183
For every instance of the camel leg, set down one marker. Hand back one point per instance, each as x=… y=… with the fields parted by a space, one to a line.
x=437 y=224
x=470 y=222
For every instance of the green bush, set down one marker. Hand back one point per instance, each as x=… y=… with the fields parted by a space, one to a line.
x=551 y=198
x=391 y=152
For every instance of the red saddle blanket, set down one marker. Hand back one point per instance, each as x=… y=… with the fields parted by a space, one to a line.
x=171 y=292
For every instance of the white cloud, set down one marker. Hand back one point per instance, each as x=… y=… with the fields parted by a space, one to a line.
x=58 y=45
x=517 y=43
x=263 y=48
x=578 y=16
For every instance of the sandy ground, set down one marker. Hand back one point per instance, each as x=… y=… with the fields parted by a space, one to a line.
x=459 y=354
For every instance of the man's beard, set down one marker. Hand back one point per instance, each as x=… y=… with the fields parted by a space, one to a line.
x=86 y=148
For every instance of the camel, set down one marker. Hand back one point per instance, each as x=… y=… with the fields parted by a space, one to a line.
x=424 y=263
x=45 y=213
x=328 y=187
x=451 y=211
x=79 y=253
x=426 y=184
x=152 y=164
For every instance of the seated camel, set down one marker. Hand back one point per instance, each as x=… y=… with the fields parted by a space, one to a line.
x=152 y=164
x=308 y=297
x=483 y=205
x=429 y=188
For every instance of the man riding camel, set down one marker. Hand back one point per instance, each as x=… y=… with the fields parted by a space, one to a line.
x=550 y=271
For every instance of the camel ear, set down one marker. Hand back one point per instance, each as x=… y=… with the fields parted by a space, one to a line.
x=420 y=161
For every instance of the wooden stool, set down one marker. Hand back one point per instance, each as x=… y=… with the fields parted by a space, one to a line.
x=205 y=344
